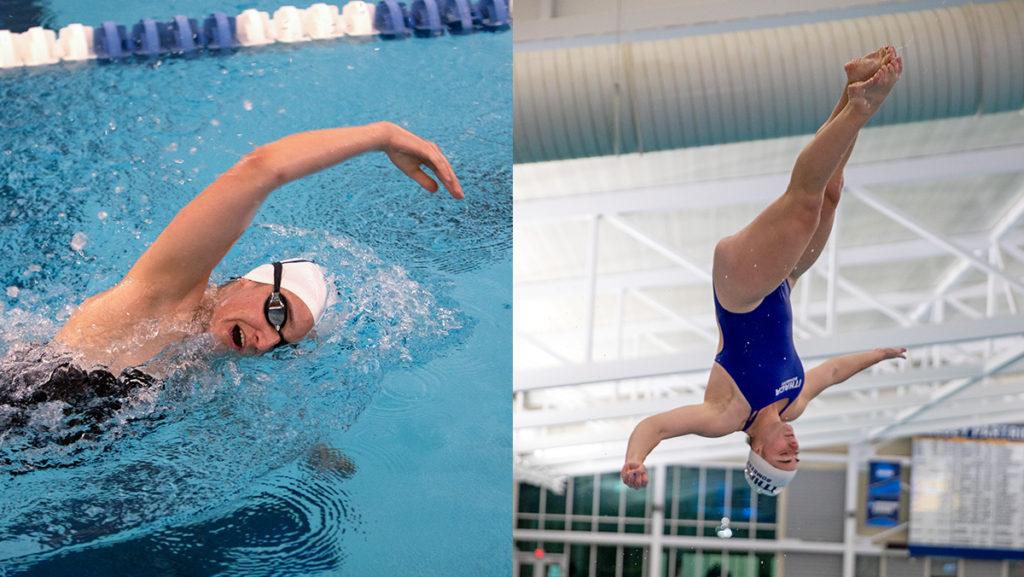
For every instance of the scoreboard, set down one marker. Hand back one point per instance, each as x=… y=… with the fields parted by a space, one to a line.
x=967 y=494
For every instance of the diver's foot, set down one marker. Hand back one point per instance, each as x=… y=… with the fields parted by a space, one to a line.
x=866 y=97
x=863 y=68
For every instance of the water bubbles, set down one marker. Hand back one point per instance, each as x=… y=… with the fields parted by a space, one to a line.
x=723 y=530
x=112 y=125
x=78 y=241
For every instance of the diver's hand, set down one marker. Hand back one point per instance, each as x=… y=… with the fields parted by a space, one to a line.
x=634 y=475
x=409 y=153
x=892 y=353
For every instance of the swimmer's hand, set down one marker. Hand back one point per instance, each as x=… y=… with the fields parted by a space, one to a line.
x=634 y=475
x=892 y=353
x=409 y=153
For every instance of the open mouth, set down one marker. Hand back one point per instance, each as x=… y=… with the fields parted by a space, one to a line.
x=237 y=337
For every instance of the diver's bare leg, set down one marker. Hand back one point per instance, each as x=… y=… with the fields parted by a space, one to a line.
x=857 y=70
x=753 y=262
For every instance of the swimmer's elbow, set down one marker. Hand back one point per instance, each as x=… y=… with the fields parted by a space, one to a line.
x=263 y=165
x=650 y=428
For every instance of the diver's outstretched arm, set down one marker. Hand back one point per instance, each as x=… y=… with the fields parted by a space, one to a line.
x=699 y=419
x=836 y=370
x=180 y=261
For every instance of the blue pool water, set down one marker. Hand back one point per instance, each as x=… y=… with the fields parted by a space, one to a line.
x=242 y=467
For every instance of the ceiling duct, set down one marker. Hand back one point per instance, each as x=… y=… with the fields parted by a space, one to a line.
x=763 y=83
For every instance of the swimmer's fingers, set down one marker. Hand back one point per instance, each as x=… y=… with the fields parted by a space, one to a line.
x=443 y=169
x=411 y=168
x=409 y=152
x=893 y=353
x=634 y=475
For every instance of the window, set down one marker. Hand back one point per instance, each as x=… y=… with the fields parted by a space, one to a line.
x=696 y=499
x=582 y=502
x=579 y=560
x=633 y=564
x=943 y=567
x=529 y=498
x=765 y=564
x=606 y=559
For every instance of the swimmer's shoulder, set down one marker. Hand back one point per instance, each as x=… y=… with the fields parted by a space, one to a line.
x=125 y=304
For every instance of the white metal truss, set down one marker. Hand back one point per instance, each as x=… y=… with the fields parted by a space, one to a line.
x=643 y=346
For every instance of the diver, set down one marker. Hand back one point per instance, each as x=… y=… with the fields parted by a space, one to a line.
x=757 y=383
x=99 y=355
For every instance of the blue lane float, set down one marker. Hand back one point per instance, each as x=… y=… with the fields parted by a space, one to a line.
x=426 y=18
x=110 y=40
x=150 y=38
x=494 y=14
x=458 y=16
x=390 y=19
x=220 y=31
x=186 y=37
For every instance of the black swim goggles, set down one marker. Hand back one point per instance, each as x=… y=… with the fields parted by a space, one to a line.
x=276 y=306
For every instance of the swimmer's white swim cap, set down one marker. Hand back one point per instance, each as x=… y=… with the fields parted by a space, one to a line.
x=304 y=278
x=763 y=477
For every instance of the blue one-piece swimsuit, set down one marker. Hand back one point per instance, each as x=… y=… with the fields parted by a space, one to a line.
x=758 y=352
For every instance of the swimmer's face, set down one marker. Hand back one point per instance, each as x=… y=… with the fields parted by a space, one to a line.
x=238 y=322
x=780 y=448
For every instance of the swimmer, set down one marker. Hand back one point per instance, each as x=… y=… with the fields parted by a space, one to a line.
x=757 y=383
x=167 y=296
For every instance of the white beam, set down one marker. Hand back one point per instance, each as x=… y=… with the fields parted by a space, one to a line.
x=690 y=326
x=862 y=295
x=612 y=460
x=700 y=360
x=660 y=478
x=1006 y=359
x=619 y=409
x=701 y=543
x=642 y=540
x=910 y=224
x=592 y=250
x=761 y=189
x=883 y=253
x=854 y=457
x=823 y=420
x=540 y=346
x=637 y=327
x=955 y=272
x=658 y=247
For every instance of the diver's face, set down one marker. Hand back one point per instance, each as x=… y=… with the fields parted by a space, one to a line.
x=239 y=323
x=780 y=447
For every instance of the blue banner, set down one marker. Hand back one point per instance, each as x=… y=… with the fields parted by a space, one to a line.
x=883 y=502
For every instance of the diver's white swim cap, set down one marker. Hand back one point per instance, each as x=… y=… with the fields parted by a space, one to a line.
x=302 y=277
x=763 y=477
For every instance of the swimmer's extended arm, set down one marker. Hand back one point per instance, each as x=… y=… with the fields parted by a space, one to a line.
x=700 y=420
x=836 y=370
x=180 y=261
